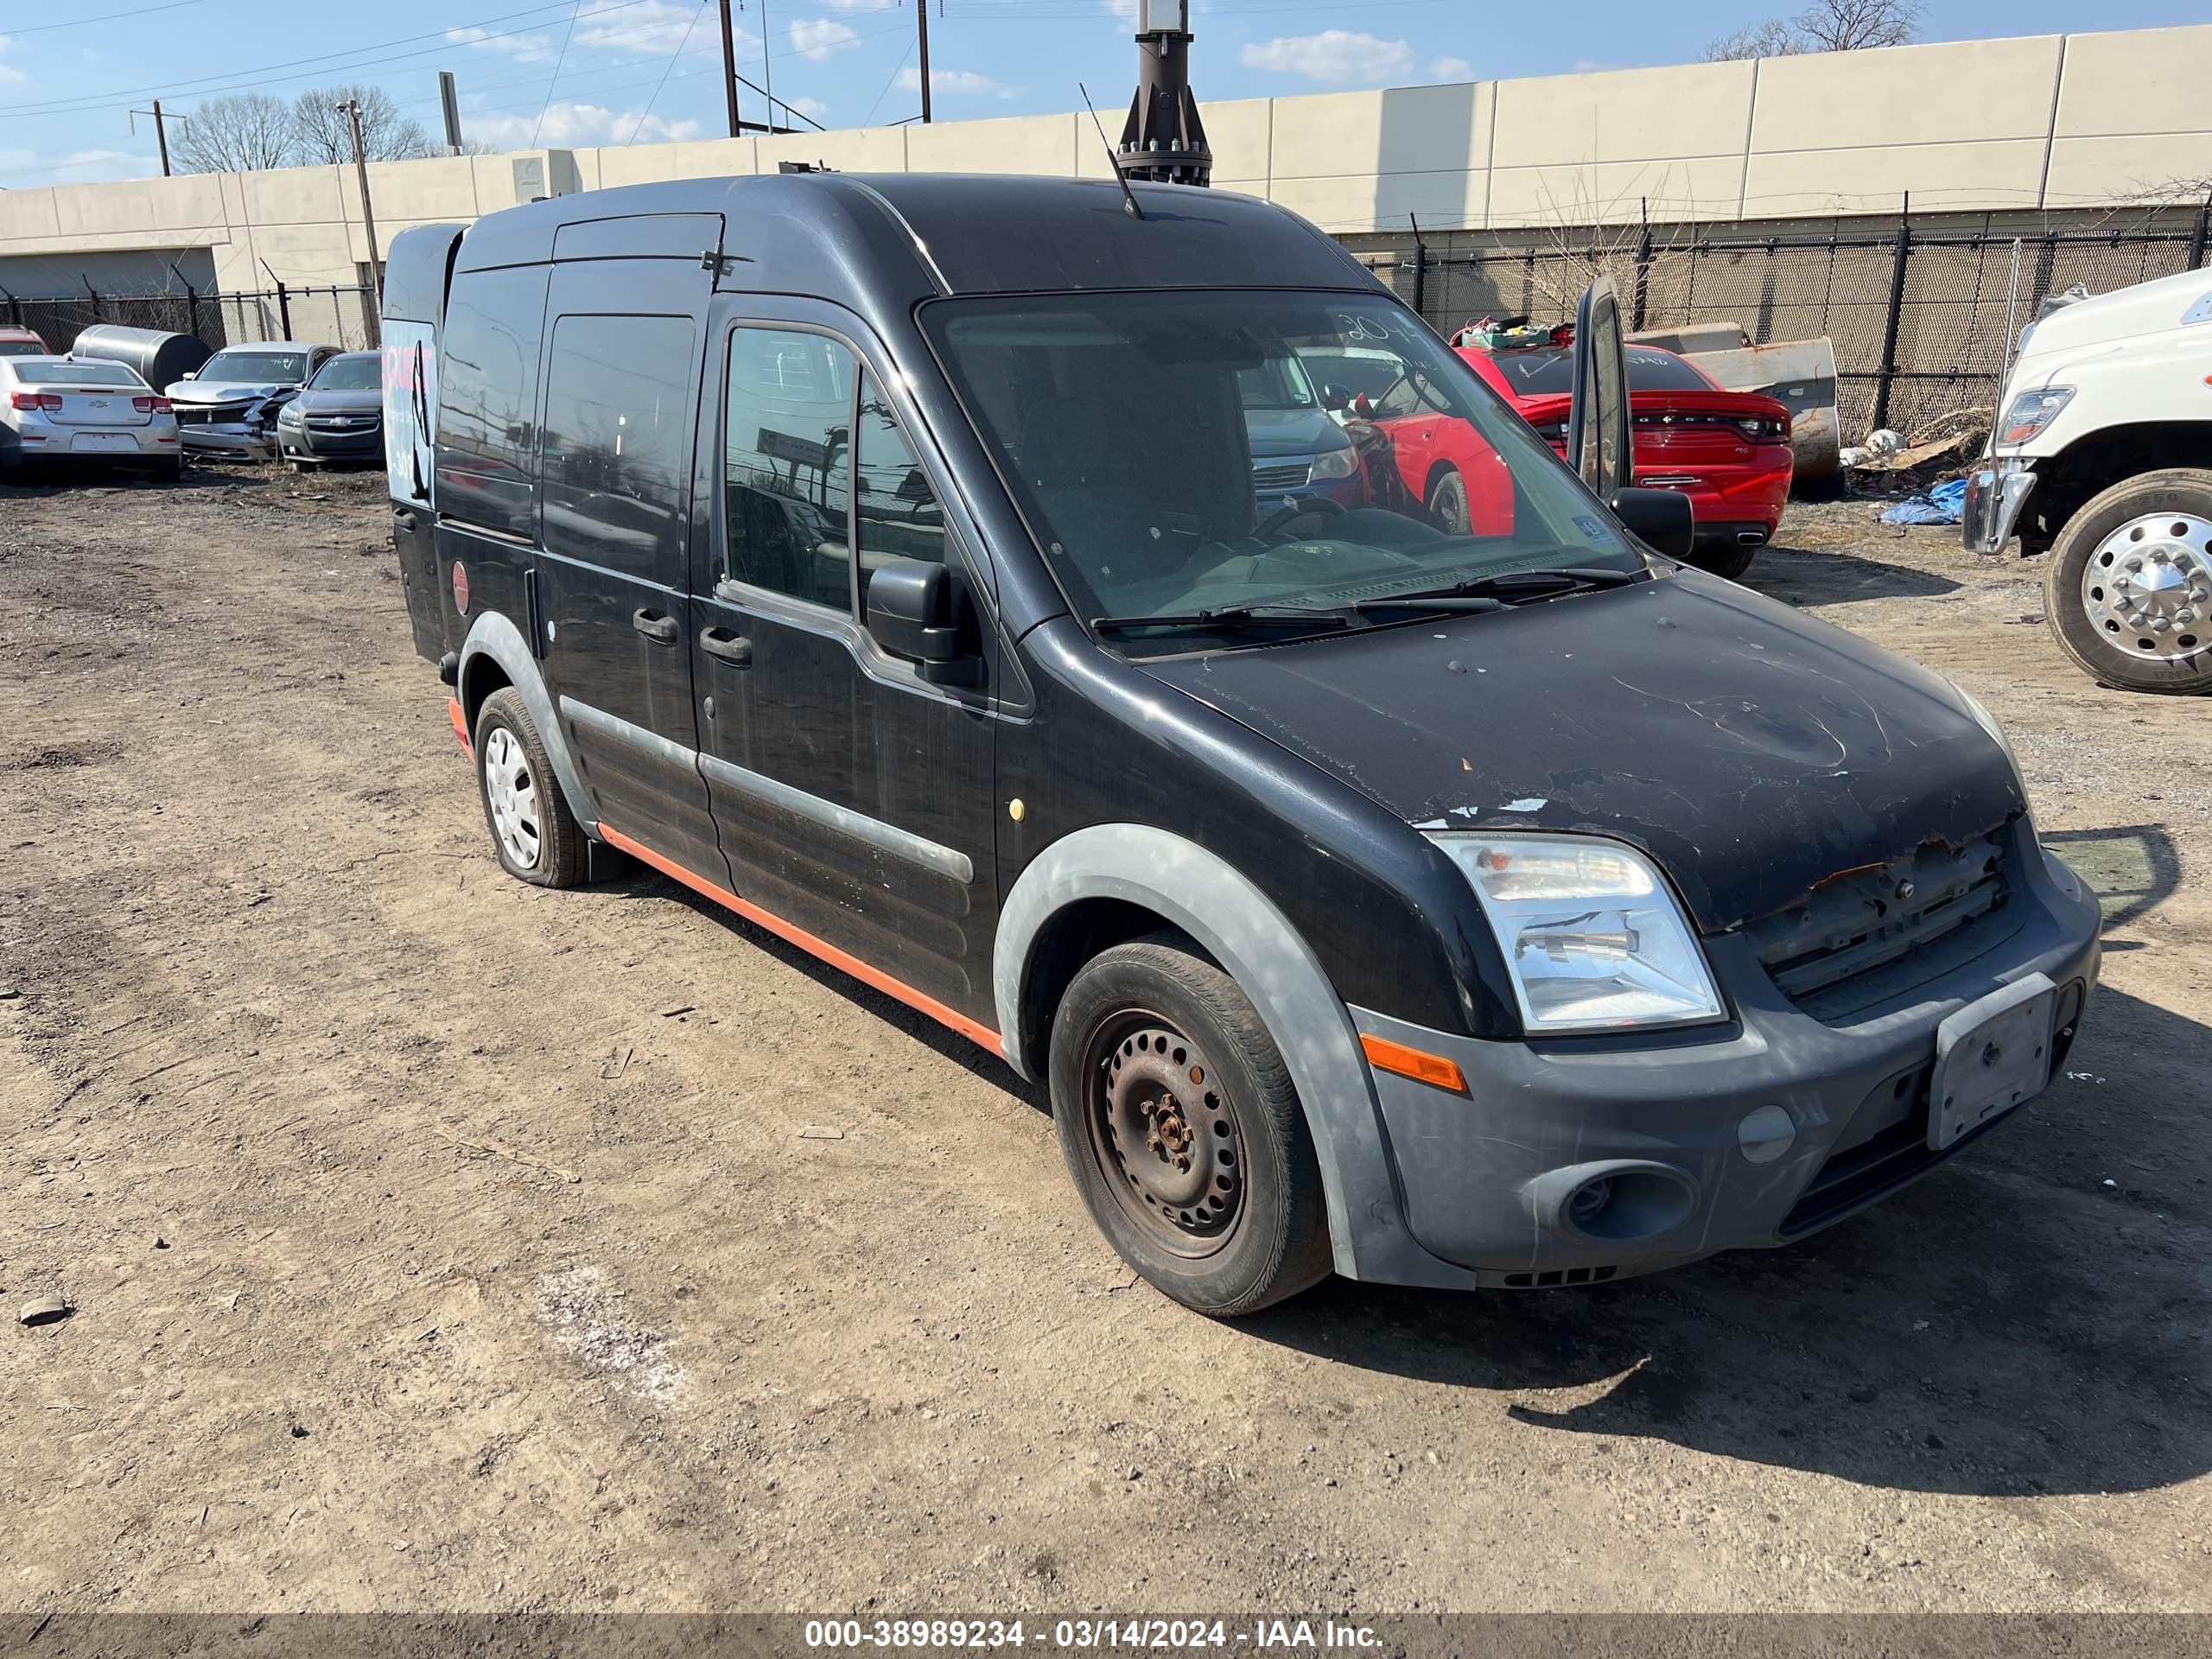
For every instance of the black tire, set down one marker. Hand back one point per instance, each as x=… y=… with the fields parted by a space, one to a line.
x=561 y=855
x=1243 y=1223
x=2092 y=647
x=1726 y=561
x=1447 y=501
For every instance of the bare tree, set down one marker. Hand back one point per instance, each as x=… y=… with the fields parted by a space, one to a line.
x=1777 y=37
x=1823 y=26
x=1858 y=25
x=323 y=135
x=236 y=135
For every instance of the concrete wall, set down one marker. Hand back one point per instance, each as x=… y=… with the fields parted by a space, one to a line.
x=2044 y=122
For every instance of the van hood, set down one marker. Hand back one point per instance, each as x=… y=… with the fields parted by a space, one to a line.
x=1752 y=751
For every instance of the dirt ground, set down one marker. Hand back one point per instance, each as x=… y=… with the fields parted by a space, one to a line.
x=441 y=1243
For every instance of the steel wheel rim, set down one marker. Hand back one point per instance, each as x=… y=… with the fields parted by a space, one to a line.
x=512 y=792
x=1164 y=1135
x=2147 y=589
x=1450 y=503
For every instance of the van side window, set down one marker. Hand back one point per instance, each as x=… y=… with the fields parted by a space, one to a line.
x=786 y=465
x=896 y=512
x=615 y=450
x=487 y=398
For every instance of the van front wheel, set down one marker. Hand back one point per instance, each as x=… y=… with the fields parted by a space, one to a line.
x=537 y=838
x=1178 y=1120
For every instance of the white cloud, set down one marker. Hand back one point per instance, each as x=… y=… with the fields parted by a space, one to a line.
x=648 y=28
x=524 y=49
x=859 y=5
x=75 y=166
x=8 y=71
x=567 y=125
x=1450 y=69
x=1334 y=55
x=805 y=105
x=958 y=82
x=820 y=37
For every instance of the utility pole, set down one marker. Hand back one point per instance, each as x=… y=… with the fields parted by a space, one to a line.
x=729 y=72
x=351 y=109
x=1163 y=140
x=161 y=130
x=922 y=21
x=767 y=69
x=449 y=106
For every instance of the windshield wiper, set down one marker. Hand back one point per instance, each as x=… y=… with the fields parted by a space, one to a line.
x=1228 y=619
x=1508 y=586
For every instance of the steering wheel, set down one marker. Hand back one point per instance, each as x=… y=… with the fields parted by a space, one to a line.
x=1297 y=507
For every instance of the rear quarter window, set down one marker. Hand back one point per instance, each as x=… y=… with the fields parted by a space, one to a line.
x=615 y=451
x=487 y=399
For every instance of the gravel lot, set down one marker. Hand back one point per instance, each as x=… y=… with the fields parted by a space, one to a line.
x=441 y=1244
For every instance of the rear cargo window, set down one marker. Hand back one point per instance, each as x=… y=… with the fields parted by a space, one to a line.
x=615 y=448
x=786 y=461
x=487 y=394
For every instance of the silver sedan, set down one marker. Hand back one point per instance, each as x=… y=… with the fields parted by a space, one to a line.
x=78 y=410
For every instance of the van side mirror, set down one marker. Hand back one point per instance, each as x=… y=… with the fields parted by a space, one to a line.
x=1661 y=519
x=1600 y=440
x=914 y=611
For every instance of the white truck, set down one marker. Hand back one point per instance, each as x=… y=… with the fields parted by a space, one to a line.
x=2102 y=456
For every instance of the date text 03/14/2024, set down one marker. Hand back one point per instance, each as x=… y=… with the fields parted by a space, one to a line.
x=1085 y=1633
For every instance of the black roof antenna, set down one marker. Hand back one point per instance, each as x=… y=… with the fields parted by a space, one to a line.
x=1128 y=196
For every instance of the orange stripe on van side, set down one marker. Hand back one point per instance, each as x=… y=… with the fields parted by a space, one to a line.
x=459 y=725
x=982 y=1035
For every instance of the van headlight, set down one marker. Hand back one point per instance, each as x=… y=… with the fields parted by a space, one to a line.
x=1592 y=934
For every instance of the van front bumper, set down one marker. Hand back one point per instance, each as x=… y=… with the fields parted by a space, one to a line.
x=1742 y=1136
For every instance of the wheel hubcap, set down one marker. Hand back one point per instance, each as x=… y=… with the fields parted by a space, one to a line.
x=1165 y=1134
x=2147 y=589
x=512 y=793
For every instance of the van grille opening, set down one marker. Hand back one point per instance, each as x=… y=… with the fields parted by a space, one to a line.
x=1858 y=936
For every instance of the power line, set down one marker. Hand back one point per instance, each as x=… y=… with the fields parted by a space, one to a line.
x=105 y=17
x=672 y=57
x=573 y=13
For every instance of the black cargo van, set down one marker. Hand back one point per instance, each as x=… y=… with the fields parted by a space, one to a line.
x=890 y=560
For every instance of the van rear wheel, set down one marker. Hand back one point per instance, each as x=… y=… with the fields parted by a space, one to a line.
x=1185 y=1138
x=2128 y=588
x=536 y=837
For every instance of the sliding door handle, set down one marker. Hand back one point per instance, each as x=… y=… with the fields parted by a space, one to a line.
x=660 y=629
x=732 y=648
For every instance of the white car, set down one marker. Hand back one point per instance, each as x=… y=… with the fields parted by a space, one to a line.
x=2102 y=456
x=78 y=410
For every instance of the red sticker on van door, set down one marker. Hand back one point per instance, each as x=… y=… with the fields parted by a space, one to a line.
x=461 y=586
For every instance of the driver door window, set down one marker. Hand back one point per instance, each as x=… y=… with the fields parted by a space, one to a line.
x=787 y=434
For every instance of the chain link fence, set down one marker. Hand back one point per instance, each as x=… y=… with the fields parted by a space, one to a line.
x=344 y=317
x=1923 y=319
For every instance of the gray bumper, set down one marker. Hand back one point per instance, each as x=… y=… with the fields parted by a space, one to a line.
x=1485 y=1176
x=1996 y=493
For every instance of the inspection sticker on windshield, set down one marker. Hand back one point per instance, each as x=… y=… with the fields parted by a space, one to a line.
x=1594 y=528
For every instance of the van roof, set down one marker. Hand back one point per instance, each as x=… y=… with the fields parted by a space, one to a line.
x=828 y=232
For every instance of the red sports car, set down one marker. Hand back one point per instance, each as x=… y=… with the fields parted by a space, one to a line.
x=1728 y=451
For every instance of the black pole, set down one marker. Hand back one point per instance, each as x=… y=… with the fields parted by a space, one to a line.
x=922 y=22
x=161 y=137
x=284 y=308
x=1420 y=269
x=1163 y=141
x=1643 y=264
x=729 y=74
x=2197 y=232
x=1889 y=369
x=98 y=315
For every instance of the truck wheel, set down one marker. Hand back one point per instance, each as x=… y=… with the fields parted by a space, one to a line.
x=1179 y=1122
x=1729 y=562
x=537 y=838
x=2129 y=586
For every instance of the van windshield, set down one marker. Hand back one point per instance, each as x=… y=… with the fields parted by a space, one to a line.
x=1179 y=452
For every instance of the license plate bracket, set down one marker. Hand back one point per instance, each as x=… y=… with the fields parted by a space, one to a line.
x=1991 y=1056
x=104 y=442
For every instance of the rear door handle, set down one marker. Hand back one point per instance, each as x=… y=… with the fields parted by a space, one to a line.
x=661 y=630
x=732 y=648
x=404 y=517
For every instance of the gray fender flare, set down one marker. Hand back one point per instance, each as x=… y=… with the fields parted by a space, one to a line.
x=1201 y=893
x=496 y=636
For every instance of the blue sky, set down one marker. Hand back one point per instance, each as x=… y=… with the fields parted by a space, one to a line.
x=592 y=72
